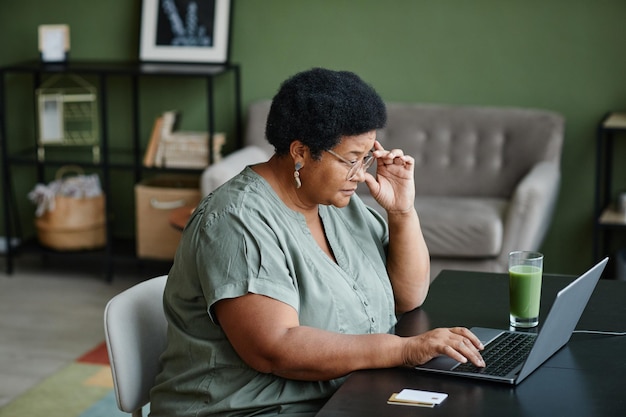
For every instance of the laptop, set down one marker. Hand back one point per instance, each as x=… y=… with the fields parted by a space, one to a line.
x=526 y=351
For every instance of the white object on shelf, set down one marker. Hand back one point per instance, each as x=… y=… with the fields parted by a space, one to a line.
x=615 y=121
x=54 y=42
x=15 y=242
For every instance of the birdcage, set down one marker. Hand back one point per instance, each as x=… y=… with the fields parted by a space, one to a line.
x=68 y=114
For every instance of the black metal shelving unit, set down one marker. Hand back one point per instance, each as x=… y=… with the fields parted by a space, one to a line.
x=608 y=220
x=109 y=158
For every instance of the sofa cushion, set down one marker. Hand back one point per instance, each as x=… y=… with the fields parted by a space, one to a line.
x=458 y=227
x=462 y=227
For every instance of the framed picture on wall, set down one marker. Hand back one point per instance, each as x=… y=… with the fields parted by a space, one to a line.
x=194 y=31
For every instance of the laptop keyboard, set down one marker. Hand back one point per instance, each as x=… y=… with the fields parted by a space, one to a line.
x=503 y=354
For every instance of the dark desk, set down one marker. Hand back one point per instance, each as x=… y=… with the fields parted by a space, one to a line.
x=585 y=378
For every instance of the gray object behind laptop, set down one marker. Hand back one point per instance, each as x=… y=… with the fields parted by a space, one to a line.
x=557 y=329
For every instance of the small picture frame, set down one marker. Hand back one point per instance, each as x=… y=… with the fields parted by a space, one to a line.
x=194 y=31
x=54 y=42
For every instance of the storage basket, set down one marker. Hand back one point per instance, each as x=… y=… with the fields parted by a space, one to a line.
x=155 y=198
x=75 y=223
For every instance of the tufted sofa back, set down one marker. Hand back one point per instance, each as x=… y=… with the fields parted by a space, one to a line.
x=472 y=151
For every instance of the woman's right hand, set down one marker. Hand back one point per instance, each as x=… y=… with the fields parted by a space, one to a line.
x=458 y=343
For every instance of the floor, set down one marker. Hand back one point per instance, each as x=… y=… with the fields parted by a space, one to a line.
x=51 y=314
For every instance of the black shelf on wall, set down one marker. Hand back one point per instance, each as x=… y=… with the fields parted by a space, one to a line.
x=609 y=219
x=128 y=159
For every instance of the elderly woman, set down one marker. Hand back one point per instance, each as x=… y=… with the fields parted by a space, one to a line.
x=284 y=281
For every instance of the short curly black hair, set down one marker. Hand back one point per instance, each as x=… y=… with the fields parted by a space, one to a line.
x=319 y=106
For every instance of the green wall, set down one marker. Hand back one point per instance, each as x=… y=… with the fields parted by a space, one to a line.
x=564 y=55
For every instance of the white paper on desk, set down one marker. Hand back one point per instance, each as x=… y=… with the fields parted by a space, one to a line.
x=421 y=396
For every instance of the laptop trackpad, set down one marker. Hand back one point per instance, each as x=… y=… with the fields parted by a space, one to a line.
x=441 y=363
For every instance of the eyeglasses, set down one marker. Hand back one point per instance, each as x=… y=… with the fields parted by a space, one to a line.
x=356 y=166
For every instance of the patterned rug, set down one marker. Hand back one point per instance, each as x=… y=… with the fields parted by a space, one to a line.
x=82 y=389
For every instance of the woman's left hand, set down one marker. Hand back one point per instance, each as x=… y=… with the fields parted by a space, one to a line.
x=393 y=187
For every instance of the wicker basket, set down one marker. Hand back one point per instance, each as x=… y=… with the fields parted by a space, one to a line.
x=74 y=224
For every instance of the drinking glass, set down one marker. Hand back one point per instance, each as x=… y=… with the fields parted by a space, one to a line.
x=525 y=272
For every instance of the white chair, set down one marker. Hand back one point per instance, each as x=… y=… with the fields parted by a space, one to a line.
x=136 y=330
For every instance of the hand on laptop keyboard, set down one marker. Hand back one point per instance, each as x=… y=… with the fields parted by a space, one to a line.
x=458 y=343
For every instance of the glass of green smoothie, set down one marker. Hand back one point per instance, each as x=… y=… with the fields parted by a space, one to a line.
x=525 y=270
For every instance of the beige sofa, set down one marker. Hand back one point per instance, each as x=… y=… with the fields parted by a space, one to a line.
x=486 y=178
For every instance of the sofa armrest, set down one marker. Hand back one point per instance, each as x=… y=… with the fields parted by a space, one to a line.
x=531 y=209
x=220 y=172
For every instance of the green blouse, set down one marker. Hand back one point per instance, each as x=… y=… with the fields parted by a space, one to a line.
x=243 y=239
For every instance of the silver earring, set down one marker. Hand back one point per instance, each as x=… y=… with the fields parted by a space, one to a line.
x=296 y=175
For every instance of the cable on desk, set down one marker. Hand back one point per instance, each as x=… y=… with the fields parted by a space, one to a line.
x=602 y=332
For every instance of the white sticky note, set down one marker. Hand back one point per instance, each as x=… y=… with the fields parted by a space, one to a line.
x=421 y=396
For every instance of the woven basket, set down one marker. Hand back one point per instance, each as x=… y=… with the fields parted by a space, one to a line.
x=74 y=224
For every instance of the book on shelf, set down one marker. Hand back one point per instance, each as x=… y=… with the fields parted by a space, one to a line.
x=187 y=149
x=168 y=124
x=153 y=143
x=171 y=148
